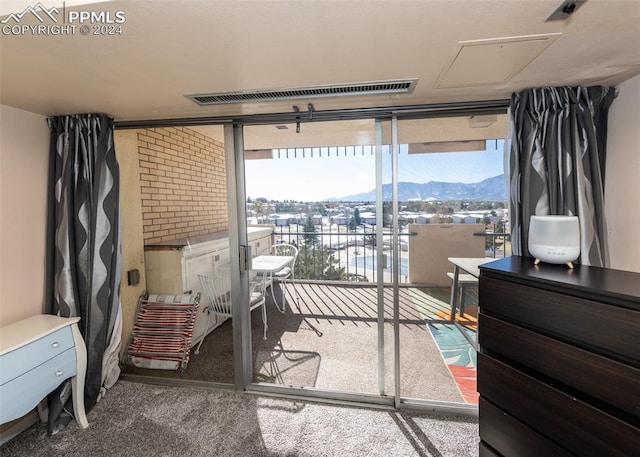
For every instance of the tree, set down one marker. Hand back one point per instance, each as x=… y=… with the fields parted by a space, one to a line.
x=309 y=229
x=320 y=208
x=285 y=207
x=352 y=223
x=316 y=262
x=387 y=214
x=356 y=216
x=259 y=209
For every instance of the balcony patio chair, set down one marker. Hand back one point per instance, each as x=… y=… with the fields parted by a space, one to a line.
x=217 y=297
x=284 y=276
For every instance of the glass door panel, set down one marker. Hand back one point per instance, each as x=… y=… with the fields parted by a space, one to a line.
x=451 y=197
x=315 y=191
x=186 y=236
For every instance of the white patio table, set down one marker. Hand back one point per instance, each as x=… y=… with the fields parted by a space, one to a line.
x=270 y=264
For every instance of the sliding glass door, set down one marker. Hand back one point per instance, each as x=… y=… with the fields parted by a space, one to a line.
x=449 y=196
x=315 y=191
x=370 y=212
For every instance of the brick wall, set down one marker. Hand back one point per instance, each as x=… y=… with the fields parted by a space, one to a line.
x=183 y=184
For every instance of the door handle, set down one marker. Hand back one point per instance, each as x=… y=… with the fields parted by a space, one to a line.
x=245 y=258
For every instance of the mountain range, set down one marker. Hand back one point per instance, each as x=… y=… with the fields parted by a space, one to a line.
x=490 y=189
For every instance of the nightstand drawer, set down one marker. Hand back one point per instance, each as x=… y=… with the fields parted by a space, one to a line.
x=17 y=362
x=23 y=393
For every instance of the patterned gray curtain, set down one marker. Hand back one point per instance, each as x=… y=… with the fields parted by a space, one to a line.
x=557 y=163
x=83 y=258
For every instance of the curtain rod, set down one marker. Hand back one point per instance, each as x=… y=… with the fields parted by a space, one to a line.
x=405 y=112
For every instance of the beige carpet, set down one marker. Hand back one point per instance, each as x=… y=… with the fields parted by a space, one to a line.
x=145 y=420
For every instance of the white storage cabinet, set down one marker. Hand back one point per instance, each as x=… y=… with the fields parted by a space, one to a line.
x=173 y=267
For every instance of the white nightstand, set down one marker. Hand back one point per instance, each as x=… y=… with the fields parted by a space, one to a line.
x=36 y=355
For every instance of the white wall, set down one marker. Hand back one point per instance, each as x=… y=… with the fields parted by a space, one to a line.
x=622 y=185
x=24 y=161
x=24 y=152
x=126 y=143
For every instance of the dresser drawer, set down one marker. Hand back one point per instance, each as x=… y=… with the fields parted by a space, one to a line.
x=17 y=362
x=554 y=414
x=509 y=437
x=579 y=369
x=486 y=451
x=609 y=330
x=23 y=393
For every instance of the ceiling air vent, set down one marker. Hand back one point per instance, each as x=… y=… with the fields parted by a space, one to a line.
x=334 y=90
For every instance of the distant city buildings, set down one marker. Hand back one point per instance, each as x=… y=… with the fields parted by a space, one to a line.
x=342 y=215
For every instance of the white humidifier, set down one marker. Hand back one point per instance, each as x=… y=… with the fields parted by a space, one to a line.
x=554 y=239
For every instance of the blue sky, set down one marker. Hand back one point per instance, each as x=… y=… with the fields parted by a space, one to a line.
x=317 y=178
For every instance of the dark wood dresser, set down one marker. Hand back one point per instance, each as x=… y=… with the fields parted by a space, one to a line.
x=559 y=360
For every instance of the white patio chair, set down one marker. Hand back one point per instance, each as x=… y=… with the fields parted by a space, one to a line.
x=217 y=297
x=286 y=275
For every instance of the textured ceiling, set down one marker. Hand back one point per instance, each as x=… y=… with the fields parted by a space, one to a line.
x=171 y=48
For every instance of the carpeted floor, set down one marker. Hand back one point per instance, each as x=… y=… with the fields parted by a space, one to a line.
x=146 y=420
x=342 y=356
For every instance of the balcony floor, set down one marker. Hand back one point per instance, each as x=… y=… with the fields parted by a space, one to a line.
x=331 y=343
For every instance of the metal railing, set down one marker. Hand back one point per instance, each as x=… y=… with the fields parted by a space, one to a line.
x=352 y=252
x=499 y=245
x=338 y=254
